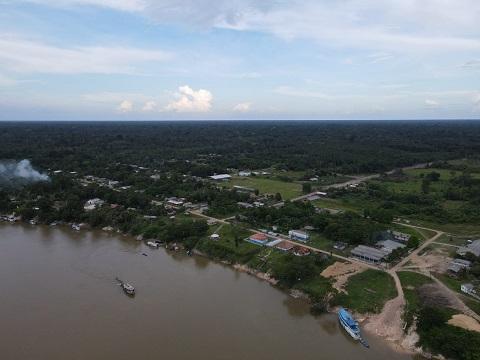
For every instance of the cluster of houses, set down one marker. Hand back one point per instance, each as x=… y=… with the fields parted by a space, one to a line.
x=388 y=242
x=279 y=244
x=102 y=182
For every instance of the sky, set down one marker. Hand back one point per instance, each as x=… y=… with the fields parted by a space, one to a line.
x=239 y=59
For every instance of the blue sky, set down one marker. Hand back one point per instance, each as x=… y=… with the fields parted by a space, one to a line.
x=239 y=59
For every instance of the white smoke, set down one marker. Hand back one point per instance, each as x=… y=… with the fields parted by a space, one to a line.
x=21 y=172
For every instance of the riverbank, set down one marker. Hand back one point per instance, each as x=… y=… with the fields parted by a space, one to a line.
x=69 y=277
x=294 y=293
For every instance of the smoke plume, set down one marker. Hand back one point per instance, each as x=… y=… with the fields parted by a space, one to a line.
x=14 y=173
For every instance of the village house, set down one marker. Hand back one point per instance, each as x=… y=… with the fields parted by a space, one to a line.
x=301 y=251
x=258 y=239
x=469 y=289
x=174 y=203
x=473 y=248
x=458 y=266
x=284 y=246
x=92 y=204
x=244 y=173
x=215 y=237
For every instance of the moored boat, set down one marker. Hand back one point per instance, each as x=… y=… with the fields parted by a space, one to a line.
x=152 y=244
x=349 y=324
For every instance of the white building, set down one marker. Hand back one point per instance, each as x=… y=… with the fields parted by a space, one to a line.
x=92 y=204
x=468 y=289
x=221 y=177
x=298 y=235
x=244 y=173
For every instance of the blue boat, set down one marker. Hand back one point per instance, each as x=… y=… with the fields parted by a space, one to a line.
x=349 y=324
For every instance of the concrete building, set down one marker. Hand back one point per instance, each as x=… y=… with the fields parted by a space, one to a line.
x=298 y=235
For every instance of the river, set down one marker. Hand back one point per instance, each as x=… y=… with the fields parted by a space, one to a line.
x=59 y=300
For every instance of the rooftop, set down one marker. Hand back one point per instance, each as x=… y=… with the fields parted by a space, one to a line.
x=369 y=252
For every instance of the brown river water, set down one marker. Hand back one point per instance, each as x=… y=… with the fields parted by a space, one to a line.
x=59 y=301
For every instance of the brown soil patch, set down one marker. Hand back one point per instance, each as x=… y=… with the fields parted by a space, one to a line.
x=341 y=271
x=465 y=322
x=436 y=260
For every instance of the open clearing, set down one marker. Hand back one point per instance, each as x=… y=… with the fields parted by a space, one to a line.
x=464 y=322
x=340 y=272
x=288 y=190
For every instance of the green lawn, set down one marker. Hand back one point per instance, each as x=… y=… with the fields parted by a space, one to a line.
x=288 y=190
x=337 y=204
x=225 y=248
x=368 y=291
x=411 y=281
x=320 y=242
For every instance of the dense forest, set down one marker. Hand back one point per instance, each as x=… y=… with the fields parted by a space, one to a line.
x=344 y=147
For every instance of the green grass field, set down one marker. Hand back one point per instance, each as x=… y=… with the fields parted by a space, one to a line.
x=288 y=190
x=368 y=291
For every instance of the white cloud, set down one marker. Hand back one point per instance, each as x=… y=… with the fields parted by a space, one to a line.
x=26 y=56
x=289 y=91
x=7 y=81
x=189 y=100
x=121 y=5
x=125 y=106
x=432 y=103
x=472 y=64
x=149 y=106
x=388 y=25
x=242 y=107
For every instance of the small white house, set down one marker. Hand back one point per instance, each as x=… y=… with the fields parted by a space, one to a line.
x=468 y=289
x=221 y=177
x=92 y=204
x=215 y=237
x=244 y=173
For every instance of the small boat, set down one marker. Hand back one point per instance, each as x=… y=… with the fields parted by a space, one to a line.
x=152 y=244
x=349 y=324
x=76 y=227
x=127 y=288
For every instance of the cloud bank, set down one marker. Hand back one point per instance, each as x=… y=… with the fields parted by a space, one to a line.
x=189 y=100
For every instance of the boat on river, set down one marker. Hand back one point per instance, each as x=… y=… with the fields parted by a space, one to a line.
x=127 y=288
x=349 y=324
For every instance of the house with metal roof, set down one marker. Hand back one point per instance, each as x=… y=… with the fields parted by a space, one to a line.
x=473 y=248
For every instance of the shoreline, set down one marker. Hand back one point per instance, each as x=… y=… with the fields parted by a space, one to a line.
x=364 y=319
